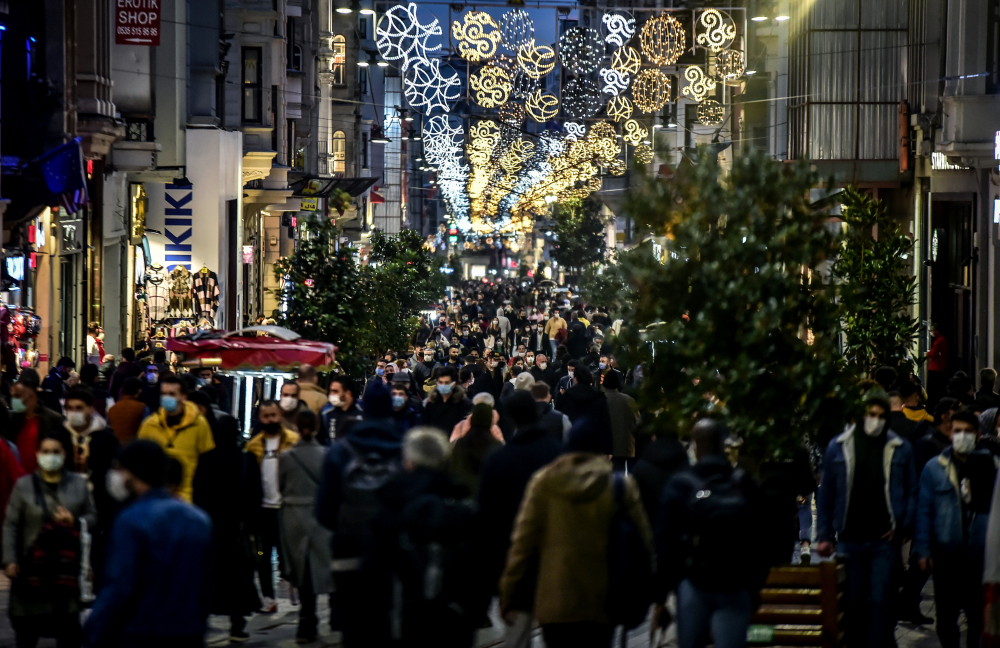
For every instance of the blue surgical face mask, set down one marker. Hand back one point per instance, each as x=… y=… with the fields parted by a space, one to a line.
x=169 y=403
x=379 y=371
x=603 y=365
x=202 y=381
x=444 y=390
x=17 y=406
x=398 y=401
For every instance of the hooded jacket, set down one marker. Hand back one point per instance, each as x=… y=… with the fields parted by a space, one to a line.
x=504 y=324
x=93 y=451
x=185 y=441
x=446 y=414
x=565 y=520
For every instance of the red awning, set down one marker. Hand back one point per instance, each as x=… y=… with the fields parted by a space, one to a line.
x=377 y=198
x=256 y=353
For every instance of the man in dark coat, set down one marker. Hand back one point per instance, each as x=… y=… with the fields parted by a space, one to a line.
x=583 y=400
x=447 y=405
x=576 y=343
x=554 y=422
x=658 y=463
x=30 y=419
x=54 y=386
x=127 y=368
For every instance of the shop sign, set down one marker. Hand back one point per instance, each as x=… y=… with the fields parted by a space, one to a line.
x=71 y=234
x=248 y=254
x=310 y=204
x=178 y=225
x=137 y=22
x=15 y=268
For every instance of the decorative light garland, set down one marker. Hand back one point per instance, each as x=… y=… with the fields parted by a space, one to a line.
x=542 y=106
x=619 y=108
x=699 y=84
x=425 y=86
x=720 y=30
x=581 y=49
x=730 y=64
x=635 y=134
x=643 y=154
x=574 y=129
x=581 y=98
x=711 y=112
x=512 y=113
x=517 y=29
x=536 y=59
x=492 y=86
x=626 y=60
x=615 y=82
x=662 y=39
x=620 y=28
x=400 y=36
x=478 y=36
x=651 y=90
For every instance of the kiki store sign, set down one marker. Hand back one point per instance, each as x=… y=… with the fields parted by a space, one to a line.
x=137 y=22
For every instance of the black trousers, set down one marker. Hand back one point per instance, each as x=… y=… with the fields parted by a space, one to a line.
x=958 y=586
x=362 y=620
x=577 y=635
x=270 y=540
x=64 y=627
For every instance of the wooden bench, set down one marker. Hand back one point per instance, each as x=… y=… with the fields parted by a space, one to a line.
x=801 y=606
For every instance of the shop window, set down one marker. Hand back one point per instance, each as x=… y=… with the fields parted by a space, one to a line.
x=252 y=84
x=339 y=152
x=339 y=59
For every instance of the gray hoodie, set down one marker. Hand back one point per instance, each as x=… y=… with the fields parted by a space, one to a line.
x=504 y=324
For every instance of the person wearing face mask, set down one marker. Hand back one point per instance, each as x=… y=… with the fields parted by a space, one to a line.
x=179 y=428
x=273 y=439
x=150 y=394
x=956 y=490
x=503 y=324
x=40 y=548
x=423 y=369
x=405 y=408
x=290 y=404
x=448 y=403
x=868 y=517
x=555 y=328
x=566 y=381
x=537 y=341
x=54 y=386
x=149 y=599
x=542 y=371
x=341 y=412
x=29 y=418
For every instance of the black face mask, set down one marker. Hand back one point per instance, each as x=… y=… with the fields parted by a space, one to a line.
x=270 y=428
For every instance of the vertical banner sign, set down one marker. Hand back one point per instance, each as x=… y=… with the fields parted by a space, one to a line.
x=137 y=22
x=178 y=225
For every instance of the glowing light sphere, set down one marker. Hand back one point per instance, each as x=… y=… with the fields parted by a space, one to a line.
x=635 y=134
x=522 y=85
x=718 y=32
x=711 y=112
x=643 y=154
x=581 y=98
x=542 y=106
x=401 y=36
x=491 y=86
x=620 y=28
x=730 y=64
x=427 y=88
x=581 y=49
x=626 y=60
x=517 y=29
x=619 y=108
x=699 y=84
x=662 y=39
x=615 y=82
x=651 y=90
x=478 y=36
x=512 y=113
x=536 y=59
x=617 y=167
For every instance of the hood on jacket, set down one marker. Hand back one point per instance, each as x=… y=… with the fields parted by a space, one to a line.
x=457 y=395
x=579 y=476
x=97 y=423
x=191 y=412
x=500 y=312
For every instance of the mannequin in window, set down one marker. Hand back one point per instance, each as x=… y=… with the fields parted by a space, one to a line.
x=180 y=292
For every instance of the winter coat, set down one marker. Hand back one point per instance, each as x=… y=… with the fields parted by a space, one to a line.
x=445 y=415
x=10 y=472
x=228 y=488
x=468 y=455
x=838 y=476
x=100 y=447
x=555 y=423
x=940 y=527
x=576 y=343
x=49 y=421
x=125 y=369
x=186 y=441
x=314 y=396
x=255 y=445
x=565 y=519
x=463 y=426
x=288 y=419
x=336 y=422
x=503 y=323
x=126 y=416
x=584 y=401
x=929 y=446
x=624 y=415
x=150 y=596
x=304 y=542
x=659 y=462
x=553 y=325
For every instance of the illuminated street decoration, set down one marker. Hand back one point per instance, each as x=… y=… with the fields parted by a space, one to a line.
x=542 y=106
x=619 y=108
x=536 y=59
x=426 y=87
x=718 y=32
x=651 y=90
x=522 y=85
x=478 y=36
x=574 y=129
x=730 y=64
x=699 y=84
x=581 y=98
x=581 y=50
x=517 y=29
x=635 y=134
x=710 y=112
x=662 y=40
x=512 y=113
x=400 y=36
x=620 y=28
x=491 y=85
x=615 y=82
x=626 y=60
x=643 y=154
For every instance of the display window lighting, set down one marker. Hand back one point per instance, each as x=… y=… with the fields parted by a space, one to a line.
x=759 y=18
x=781 y=18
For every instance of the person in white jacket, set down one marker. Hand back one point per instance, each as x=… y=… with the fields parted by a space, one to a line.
x=504 y=324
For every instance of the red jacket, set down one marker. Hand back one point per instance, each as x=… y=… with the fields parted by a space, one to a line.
x=937 y=357
x=10 y=472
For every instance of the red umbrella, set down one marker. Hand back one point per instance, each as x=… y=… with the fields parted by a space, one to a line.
x=241 y=352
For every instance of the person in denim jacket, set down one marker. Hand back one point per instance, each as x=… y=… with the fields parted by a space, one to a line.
x=956 y=489
x=866 y=503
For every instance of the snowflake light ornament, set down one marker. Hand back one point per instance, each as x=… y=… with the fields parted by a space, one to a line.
x=619 y=108
x=400 y=36
x=620 y=28
x=442 y=138
x=425 y=86
x=635 y=134
x=517 y=29
x=615 y=82
x=581 y=98
x=491 y=85
x=542 y=106
x=662 y=39
x=651 y=90
x=581 y=49
x=478 y=36
x=522 y=85
x=536 y=59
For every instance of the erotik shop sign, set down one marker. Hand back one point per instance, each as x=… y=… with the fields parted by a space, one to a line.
x=137 y=22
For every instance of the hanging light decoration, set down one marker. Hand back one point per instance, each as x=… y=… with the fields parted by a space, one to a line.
x=730 y=64
x=536 y=59
x=401 y=36
x=512 y=113
x=718 y=31
x=425 y=86
x=635 y=134
x=651 y=90
x=710 y=112
x=620 y=28
x=662 y=39
x=581 y=98
x=491 y=85
x=626 y=60
x=581 y=49
x=643 y=154
x=522 y=85
x=574 y=129
x=699 y=84
x=619 y=108
x=615 y=82
x=517 y=29
x=478 y=36
x=542 y=106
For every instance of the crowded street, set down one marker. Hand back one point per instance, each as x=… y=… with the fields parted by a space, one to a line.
x=565 y=324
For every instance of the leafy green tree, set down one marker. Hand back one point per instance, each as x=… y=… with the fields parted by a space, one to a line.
x=878 y=287
x=606 y=285
x=363 y=309
x=579 y=233
x=733 y=320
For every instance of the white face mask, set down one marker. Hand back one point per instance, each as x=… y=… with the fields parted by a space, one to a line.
x=50 y=462
x=542 y=365
x=963 y=442
x=288 y=403
x=76 y=420
x=873 y=426
x=115 y=483
x=335 y=400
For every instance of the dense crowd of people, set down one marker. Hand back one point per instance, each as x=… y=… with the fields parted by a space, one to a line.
x=499 y=457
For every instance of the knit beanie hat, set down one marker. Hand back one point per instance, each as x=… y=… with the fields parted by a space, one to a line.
x=377 y=401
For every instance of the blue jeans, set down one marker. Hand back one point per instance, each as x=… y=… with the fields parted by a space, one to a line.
x=871 y=579
x=725 y=614
x=806 y=519
x=555 y=345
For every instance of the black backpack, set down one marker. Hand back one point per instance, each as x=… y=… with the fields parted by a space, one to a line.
x=360 y=481
x=717 y=513
x=630 y=580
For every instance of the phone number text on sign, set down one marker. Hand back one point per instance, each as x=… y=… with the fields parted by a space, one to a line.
x=137 y=22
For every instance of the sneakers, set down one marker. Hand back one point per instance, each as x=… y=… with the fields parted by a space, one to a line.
x=239 y=636
x=270 y=606
x=805 y=554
